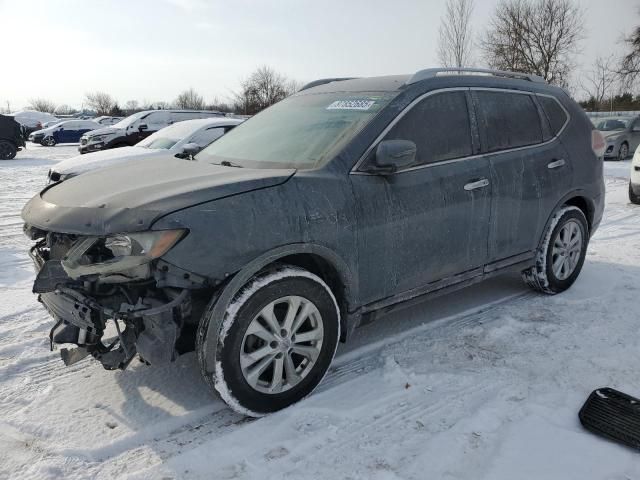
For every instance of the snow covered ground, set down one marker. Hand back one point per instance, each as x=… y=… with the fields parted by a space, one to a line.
x=482 y=384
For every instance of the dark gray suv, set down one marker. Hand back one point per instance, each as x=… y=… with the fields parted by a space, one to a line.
x=346 y=200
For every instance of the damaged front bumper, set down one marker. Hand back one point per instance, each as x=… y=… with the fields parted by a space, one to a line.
x=112 y=317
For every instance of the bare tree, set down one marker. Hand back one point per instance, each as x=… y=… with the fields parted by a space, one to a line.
x=131 y=106
x=455 y=35
x=535 y=36
x=190 y=99
x=629 y=68
x=42 y=105
x=101 y=102
x=219 y=105
x=261 y=89
x=64 y=110
x=599 y=82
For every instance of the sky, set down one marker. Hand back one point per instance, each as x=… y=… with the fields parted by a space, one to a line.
x=154 y=49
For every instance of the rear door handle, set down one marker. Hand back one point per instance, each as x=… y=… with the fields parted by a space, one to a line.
x=556 y=163
x=476 y=184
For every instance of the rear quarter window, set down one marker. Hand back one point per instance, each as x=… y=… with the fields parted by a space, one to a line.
x=509 y=120
x=555 y=113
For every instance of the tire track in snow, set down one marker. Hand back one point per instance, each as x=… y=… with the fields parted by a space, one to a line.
x=199 y=430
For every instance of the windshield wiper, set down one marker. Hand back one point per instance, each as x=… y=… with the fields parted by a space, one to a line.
x=227 y=163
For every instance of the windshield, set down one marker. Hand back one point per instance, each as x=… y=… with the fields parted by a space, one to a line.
x=609 y=124
x=124 y=123
x=301 y=132
x=168 y=136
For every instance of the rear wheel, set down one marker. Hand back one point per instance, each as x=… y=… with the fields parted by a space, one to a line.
x=633 y=198
x=275 y=343
x=560 y=257
x=8 y=150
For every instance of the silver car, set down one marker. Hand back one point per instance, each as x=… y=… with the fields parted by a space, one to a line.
x=622 y=135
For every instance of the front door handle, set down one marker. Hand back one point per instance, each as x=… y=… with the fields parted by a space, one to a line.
x=483 y=182
x=556 y=163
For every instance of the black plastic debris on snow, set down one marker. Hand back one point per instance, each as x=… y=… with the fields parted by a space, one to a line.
x=613 y=415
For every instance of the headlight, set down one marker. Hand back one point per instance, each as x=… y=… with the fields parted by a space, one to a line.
x=146 y=244
x=97 y=138
x=129 y=250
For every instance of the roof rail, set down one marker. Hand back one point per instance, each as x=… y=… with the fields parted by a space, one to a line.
x=322 y=81
x=434 y=72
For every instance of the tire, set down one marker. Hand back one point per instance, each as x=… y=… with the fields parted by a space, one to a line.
x=545 y=276
x=633 y=198
x=8 y=150
x=623 y=151
x=244 y=341
x=48 y=142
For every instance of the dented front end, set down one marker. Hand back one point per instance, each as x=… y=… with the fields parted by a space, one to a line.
x=113 y=296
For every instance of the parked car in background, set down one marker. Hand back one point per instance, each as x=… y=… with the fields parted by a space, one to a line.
x=634 y=180
x=137 y=127
x=53 y=122
x=67 y=131
x=11 y=137
x=106 y=120
x=182 y=139
x=622 y=135
x=338 y=204
x=32 y=120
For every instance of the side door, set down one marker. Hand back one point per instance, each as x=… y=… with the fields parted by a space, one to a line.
x=426 y=225
x=528 y=169
x=65 y=132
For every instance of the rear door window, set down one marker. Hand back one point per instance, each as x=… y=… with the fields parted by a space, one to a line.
x=555 y=113
x=509 y=120
x=439 y=126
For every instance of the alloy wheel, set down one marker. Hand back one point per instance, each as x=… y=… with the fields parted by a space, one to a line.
x=281 y=344
x=624 y=151
x=566 y=251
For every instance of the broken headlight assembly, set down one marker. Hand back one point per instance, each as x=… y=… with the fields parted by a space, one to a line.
x=120 y=254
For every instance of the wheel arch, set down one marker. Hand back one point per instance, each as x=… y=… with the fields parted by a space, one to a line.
x=318 y=259
x=578 y=199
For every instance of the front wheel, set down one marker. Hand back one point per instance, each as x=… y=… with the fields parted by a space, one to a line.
x=275 y=343
x=633 y=198
x=560 y=258
x=623 y=153
x=48 y=142
x=8 y=150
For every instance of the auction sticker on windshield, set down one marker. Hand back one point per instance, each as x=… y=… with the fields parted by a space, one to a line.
x=356 y=104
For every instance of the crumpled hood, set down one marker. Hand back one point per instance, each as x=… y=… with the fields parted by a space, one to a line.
x=105 y=158
x=131 y=197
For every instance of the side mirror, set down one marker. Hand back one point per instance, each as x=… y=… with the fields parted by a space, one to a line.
x=191 y=148
x=142 y=128
x=392 y=155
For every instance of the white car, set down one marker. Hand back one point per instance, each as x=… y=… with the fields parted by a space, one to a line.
x=107 y=121
x=33 y=120
x=181 y=139
x=634 y=181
